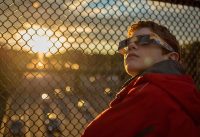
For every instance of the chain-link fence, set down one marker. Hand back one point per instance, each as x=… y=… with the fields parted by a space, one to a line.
x=59 y=67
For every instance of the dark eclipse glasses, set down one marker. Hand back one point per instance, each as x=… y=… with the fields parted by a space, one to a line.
x=143 y=40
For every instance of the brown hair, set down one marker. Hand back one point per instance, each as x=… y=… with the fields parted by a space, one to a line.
x=160 y=30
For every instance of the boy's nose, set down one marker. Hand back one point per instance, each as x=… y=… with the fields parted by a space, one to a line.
x=132 y=46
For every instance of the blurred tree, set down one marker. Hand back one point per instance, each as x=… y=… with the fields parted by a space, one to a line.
x=10 y=75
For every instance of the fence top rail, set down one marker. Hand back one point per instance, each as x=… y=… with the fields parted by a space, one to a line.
x=193 y=3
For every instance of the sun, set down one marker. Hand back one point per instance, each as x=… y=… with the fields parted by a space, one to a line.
x=40 y=40
x=41 y=44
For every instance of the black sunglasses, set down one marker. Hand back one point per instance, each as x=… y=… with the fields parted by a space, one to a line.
x=143 y=40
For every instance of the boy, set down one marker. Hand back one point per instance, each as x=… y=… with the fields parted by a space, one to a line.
x=159 y=100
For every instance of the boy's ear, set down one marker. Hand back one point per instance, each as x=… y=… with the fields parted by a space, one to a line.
x=173 y=56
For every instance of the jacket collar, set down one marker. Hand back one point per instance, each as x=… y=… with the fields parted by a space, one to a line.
x=165 y=67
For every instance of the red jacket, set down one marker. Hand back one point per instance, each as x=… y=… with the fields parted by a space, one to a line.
x=153 y=105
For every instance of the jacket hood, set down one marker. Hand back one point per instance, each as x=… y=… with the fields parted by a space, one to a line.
x=180 y=88
x=166 y=67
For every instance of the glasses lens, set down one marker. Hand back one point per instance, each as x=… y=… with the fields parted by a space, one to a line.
x=139 y=40
x=143 y=40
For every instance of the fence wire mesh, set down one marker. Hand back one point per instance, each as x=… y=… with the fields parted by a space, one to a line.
x=59 y=65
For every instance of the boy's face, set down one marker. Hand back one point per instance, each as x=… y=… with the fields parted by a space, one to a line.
x=139 y=58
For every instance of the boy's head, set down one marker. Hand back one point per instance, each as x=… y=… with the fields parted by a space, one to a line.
x=148 y=43
x=160 y=30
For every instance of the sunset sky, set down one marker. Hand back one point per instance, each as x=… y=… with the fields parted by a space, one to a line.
x=95 y=26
